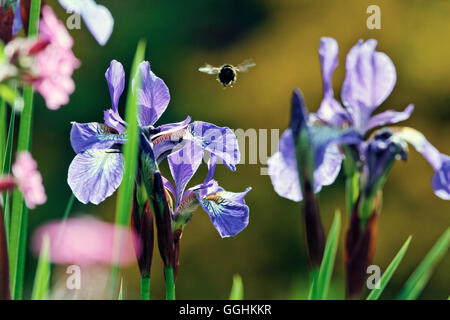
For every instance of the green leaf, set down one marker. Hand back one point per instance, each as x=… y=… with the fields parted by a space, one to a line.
x=120 y=297
x=387 y=275
x=18 y=230
x=418 y=280
x=6 y=169
x=3 y=129
x=329 y=256
x=237 y=290
x=42 y=278
x=130 y=152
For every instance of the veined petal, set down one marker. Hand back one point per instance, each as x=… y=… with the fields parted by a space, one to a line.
x=389 y=117
x=439 y=162
x=328 y=53
x=115 y=76
x=93 y=135
x=166 y=142
x=114 y=120
x=441 y=179
x=331 y=112
x=98 y=19
x=369 y=79
x=153 y=96
x=183 y=165
x=175 y=125
x=220 y=141
x=94 y=175
x=327 y=172
x=227 y=210
x=283 y=170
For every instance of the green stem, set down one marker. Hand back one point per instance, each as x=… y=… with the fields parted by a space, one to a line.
x=3 y=127
x=18 y=231
x=314 y=279
x=6 y=168
x=145 y=288
x=170 y=283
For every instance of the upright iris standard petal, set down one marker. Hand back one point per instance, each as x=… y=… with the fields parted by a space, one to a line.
x=93 y=135
x=389 y=117
x=328 y=53
x=220 y=141
x=115 y=77
x=98 y=18
x=183 y=164
x=369 y=79
x=227 y=210
x=94 y=175
x=153 y=96
x=438 y=161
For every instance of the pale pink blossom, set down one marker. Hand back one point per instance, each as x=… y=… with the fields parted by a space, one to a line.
x=56 y=63
x=85 y=241
x=29 y=180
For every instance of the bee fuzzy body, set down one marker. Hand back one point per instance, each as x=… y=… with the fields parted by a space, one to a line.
x=227 y=73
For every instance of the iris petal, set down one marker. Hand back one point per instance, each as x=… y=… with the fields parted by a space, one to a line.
x=115 y=76
x=228 y=212
x=369 y=79
x=390 y=117
x=97 y=18
x=153 y=96
x=183 y=164
x=93 y=135
x=220 y=141
x=441 y=179
x=94 y=175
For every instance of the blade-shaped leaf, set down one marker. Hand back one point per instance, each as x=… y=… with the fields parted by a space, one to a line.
x=418 y=280
x=329 y=256
x=120 y=297
x=237 y=290
x=42 y=278
x=130 y=152
x=387 y=275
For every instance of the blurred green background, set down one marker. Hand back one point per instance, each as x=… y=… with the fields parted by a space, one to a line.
x=282 y=36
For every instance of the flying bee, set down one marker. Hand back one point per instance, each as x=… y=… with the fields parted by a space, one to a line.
x=227 y=73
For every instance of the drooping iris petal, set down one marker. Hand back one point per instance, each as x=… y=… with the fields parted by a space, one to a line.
x=369 y=79
x=93 y=135
x=183 y=164
x=327 y=172
x=283 y=170
x=98 y=18
x=115 y=77
x=441 y=179
x=390 y=117
x=94 y=175
x=438 y=161
x=153 y=96
x=220 y=141
x=227 y=210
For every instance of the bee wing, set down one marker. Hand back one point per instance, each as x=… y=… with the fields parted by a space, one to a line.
x=209 y=69
x=244 y=66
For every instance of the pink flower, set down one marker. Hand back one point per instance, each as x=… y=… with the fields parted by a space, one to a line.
x=84 y=241
x=56 y=63
x=29 y=180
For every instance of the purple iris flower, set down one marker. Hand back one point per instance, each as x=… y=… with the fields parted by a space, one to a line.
x=227 y=210
x=370 y=78
x=283 y=166
x=97 y=169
